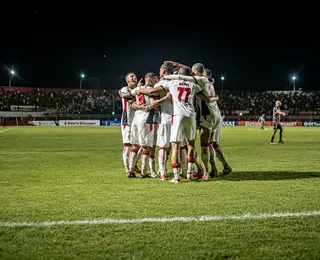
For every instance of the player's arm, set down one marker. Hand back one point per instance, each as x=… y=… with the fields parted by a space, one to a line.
x=124 y=95
x=203 y=96
x=140 y=107
x=177 y=64
x=281 y=113
x=206 y=98
x=149 y=91
x=179 y=77
x=158 y=102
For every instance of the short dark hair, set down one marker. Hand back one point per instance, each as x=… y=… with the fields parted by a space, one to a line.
x=199 y=67
x=149 y=75
x=168 y=67
x=185 y=71
x=208 y=73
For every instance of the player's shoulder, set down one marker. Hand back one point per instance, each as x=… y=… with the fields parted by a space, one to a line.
x=124 y=89
x=162 y=82
x=202 y=80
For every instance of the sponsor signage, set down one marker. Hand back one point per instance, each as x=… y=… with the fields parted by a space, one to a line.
x=79 y=122
x=311 y=123
x=43 y=123
x=111 y=123
x=229 y=123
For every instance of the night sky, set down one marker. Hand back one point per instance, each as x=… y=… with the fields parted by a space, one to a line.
x=251 y=57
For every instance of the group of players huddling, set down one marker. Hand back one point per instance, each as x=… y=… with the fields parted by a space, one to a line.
x=165 y=112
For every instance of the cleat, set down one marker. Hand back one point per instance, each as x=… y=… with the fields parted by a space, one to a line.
x=198 y=175
x=281 y=142
x=163 y=177
x=205 y=177
x=184 y=177
x=273 y=143
x=137 y=170
x=213 y=174
x=142 y=176
x=132 y=175
x=226 y=171
x=175 y=180
x=154 y=175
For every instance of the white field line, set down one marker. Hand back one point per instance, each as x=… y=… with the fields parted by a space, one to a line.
x=157 y=220
x=7 y=129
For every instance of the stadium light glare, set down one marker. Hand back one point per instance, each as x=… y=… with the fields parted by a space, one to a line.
x=222 y=78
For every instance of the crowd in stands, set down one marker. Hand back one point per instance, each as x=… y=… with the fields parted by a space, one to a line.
x=74 y=101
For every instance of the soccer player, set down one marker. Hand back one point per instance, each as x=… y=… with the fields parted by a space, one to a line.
x=276 y=118
x=128 y=111
x=164 y=127
x=210 y=118
x=183 y=119
x=215 y=137
x=143 y=127
x=261 y=122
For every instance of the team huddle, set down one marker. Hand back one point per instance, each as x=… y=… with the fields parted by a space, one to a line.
x=166 y=112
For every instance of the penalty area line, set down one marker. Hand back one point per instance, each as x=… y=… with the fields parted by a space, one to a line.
x=158 y=220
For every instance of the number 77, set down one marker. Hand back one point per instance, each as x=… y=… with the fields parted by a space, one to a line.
x=187 y=92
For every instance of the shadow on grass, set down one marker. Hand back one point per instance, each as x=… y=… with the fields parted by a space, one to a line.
x=268 y=175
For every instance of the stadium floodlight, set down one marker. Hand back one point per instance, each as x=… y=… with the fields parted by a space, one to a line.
x=222 y=78
x=81 y=79
x=12 y=72
x=294 y=82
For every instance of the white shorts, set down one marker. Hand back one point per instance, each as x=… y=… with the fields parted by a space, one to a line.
x=183 y=127
x=206 y=122
x=163 y=135
x=125 y=129
x=211 y=122
x=142 y=134
x=217 y=134
x=216 y=120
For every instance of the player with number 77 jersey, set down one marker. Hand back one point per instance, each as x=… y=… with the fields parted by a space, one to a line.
x=182 y=92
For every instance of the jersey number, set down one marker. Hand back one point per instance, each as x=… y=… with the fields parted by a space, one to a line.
x=141 y=99
x=184 y=94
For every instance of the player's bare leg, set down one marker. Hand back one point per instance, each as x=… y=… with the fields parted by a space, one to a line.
x=145 y=157
x=133 y=160
x=136 y=168
x=213 y=155
x=184 y=161
x=205 y=154
x=280 y=135
x=222 y=158
x=191 y=159
x=125 y=157
x=152 y=163
x=275 y=128
x=162 y=159
x=175 y=160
